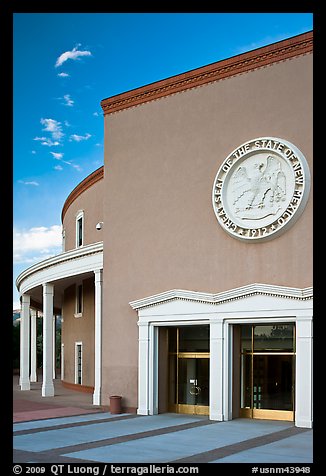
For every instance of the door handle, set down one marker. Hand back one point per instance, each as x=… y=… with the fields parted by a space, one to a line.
x=195 y=390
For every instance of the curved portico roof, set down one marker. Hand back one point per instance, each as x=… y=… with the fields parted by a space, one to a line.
x=60 y=269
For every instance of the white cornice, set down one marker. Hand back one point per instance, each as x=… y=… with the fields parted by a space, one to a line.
x=71 y=262
x=230 y=295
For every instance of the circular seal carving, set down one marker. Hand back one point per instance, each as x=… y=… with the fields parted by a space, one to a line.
x=261 y=189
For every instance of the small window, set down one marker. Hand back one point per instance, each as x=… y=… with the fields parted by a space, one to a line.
x=80 y=229
x=79 y=300
x=78 y=363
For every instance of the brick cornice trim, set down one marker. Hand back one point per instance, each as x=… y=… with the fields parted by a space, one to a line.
x=81 y=187
x=276 y=52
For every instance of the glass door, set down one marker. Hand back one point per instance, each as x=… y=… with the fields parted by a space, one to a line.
x=189 y=370
x=193 y=384
x=267 y=371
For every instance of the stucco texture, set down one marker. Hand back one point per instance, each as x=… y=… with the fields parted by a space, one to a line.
x=91 y=202
x=161 y=159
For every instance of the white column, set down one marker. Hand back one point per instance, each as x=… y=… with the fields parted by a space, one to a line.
x=303 y=374
x=62 y=361
x=54 y=320
x=47 y=386
x=24 y=343
x=143 y=368
x=216 y=370
x=98 y=337
x=33 y=345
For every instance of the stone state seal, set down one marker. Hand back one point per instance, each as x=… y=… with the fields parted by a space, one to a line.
x=261 y=189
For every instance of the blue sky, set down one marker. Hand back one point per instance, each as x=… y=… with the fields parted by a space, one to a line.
x=66 y=63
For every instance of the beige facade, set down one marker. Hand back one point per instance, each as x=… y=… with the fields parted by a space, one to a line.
x=90 y=202
x=162 y=158
x=148 y=222
x=78 y=329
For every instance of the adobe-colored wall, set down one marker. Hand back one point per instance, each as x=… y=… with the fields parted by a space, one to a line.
x=91 y=201
x=160 y=164
x=79 y=330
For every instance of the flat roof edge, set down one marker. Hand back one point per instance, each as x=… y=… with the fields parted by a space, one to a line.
x=245 y=62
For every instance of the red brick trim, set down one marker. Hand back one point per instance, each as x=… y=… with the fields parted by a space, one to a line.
x=81 y=187
x=78 y=387
x=280 y=51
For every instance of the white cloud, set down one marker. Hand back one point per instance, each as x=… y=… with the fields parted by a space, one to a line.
x=54 y=127
x=95 y=114
x=33 y=152
x=29 y=183
x=76 y=138
x=37 y=243
x=57 y=155
x=68 y=100
x=47 y=141
x=16 y=305
x=74 y=54
x=63 y=75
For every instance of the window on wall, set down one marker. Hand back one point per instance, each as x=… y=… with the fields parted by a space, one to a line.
x=80 y=229
x=78 y=363
x=79 y=300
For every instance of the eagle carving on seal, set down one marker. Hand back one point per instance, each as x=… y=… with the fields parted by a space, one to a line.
x=258 y=189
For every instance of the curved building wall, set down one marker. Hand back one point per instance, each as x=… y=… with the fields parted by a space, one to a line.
x=163 y=157
x=90 y=201
x=78 y=330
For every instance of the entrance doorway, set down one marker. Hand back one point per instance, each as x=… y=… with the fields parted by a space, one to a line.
x=267 y=369
x=189 y=369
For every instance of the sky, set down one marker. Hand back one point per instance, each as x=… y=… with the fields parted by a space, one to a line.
x=64 y=64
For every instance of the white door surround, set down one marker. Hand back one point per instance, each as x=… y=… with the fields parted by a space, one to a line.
x=256 y=303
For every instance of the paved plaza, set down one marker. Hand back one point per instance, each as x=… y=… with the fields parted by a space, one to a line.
x=68 y=429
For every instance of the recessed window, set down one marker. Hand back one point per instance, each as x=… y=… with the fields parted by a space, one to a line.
x=79 y=300
x=78 y=363
x=80 y=229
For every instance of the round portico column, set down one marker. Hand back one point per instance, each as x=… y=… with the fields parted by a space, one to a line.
x=24 y=343
x=54 y=321
x=47 y=386
x=33 y=346
x=98 y=336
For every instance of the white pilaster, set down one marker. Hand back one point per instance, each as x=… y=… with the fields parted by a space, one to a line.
x=216 y=370
x=153 y=371
x=47 y=386
x=33 y=345
x=303 y=377
x=98 y=337
x=143 y=369
x=227 y=371
x=24 y=343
